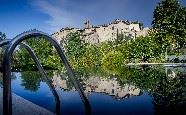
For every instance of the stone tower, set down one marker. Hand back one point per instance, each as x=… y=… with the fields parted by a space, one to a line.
x=87 y=24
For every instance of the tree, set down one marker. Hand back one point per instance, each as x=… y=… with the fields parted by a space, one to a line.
x=91 y=58
x=113 y=61
x=170 y=23
x=121 y=38
x=75 y=46
x=143 y=48
x=44 y=51
x=106 y=47
x=2 y=36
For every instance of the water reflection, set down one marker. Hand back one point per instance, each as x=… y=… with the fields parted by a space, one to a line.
x=98 y=84
x=31 y=80
x=140 y=90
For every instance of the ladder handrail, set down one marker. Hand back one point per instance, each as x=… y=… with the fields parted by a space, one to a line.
x=43 y=73
x=7 y=96
x=41 y=70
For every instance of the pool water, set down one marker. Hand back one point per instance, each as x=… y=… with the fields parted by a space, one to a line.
x=150 y=90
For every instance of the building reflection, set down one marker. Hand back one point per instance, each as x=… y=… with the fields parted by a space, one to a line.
x=173 y=72
x=99 y=84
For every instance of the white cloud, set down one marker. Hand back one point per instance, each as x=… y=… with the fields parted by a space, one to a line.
x=63 y=13
x=58 y=16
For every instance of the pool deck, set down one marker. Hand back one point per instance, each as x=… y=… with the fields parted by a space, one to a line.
x=164 y=64
x=22 y=106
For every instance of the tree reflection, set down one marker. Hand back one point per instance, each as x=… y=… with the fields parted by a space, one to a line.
x=172 y=97
x=169 y=95
x=31 y=80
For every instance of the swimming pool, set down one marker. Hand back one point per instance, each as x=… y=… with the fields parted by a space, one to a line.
x=142 y=90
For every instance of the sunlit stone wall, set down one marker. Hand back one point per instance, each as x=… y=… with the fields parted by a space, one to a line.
x=105 y=32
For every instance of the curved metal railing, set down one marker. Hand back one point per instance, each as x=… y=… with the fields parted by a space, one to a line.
x=7 y=96
x=41 y=70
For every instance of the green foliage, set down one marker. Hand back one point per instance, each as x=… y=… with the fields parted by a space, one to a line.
x=2 y=36
x=91 y=58
x=106 y=47
x=113 y=54
x=113 y=61
x=143 y=48
x=121 y=38
x=170 y=23
x=44 y=51
x=74 y=45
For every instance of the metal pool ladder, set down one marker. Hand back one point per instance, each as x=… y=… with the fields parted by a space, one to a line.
x=6 y=65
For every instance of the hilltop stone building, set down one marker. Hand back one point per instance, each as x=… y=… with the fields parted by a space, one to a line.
x=105 y=32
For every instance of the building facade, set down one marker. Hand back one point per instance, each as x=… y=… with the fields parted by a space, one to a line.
x=106 y=32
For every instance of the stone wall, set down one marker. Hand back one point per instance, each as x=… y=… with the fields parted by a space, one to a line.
x=106 y=32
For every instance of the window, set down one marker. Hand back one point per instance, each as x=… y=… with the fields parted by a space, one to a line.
x=112 y=27
x=62 y=42
x=112 y=91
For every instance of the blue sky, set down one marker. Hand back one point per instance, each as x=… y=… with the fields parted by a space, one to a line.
x=49 y=16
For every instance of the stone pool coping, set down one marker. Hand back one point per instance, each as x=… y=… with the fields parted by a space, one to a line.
x=164 y=64
x=21 y=106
